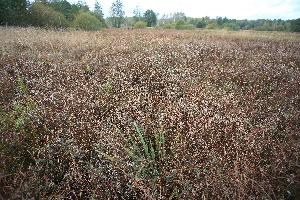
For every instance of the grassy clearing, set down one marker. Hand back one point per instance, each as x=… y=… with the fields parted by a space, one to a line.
x=149 y=114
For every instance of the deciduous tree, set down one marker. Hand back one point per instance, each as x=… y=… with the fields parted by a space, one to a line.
x=63 y=7
x=295 y=25
x=45 y=16
x=98 y=8
x=150 y=18
x=98 y=13
x=13 y=12
x=137 y=13
x=117 y=13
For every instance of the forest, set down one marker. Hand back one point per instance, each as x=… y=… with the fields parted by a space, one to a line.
x=61 y=14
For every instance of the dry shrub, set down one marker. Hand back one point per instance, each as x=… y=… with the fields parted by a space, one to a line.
x=228 y=108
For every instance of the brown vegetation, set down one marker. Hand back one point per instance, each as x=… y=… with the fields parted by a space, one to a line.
x=148 y=114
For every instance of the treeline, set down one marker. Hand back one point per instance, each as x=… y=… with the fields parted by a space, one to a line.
x=172 y=21
x=51 y=14
x=62 y=14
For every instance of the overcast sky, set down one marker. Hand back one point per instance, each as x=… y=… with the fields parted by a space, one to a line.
x=232 y=9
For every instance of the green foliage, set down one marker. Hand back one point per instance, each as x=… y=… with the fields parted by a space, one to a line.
x=145 y=154
x=279 y=28
x=261 y=28
x=44 y=16
x=13 y=12
x=140 y=24
x=200 y=24
x=63 y=7
x=98 y=8
x=230 y=27
x=117 y=13
x=18 y=138
x=212 y=26
x=169 y=26
x=86 y=21
x=150 y=18
x=222 y=21
x=295 y=25
x=182 y=25
x=82 y=5
x=100 y=18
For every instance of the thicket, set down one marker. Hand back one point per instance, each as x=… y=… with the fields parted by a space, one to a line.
x=148 y=114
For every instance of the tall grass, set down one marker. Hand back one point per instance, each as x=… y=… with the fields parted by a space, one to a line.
x=148 y=114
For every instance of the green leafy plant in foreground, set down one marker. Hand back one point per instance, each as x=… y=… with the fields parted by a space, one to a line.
x=145 y=155
x=19 y=138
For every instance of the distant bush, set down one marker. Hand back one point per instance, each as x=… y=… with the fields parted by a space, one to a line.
x=182 y=25
x=140 y=24
x=44 y=16
x=169 y=26
x=85 y=21
x=231 y=27
x=200 y=24
x=279 y=28
x=261 y=28
x=212 y=26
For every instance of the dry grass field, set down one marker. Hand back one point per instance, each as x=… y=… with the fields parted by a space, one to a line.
x=149 y=114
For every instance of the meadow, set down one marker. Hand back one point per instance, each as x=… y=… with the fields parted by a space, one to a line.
x=149 y=114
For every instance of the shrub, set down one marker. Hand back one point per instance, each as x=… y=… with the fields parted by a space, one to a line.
x=86 y=21
x=261 y=28
x=279 y=28
x=231 y=27
x=140 y=24
x=212 y=26
x=169 y=26
x=200 y=24
x=44 y=16
x=182 y=25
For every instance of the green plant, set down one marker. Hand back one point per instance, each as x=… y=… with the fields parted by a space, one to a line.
x=19 y=143
x=140 y=24
x=86 y=21
x=44 y=16
x=144 y=154
x=230 y=27
x=169 y=26
x=212 y=26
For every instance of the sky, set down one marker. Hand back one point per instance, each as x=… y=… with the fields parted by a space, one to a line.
x=232 y=9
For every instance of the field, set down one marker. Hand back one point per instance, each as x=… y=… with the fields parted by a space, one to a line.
x=149 y=114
